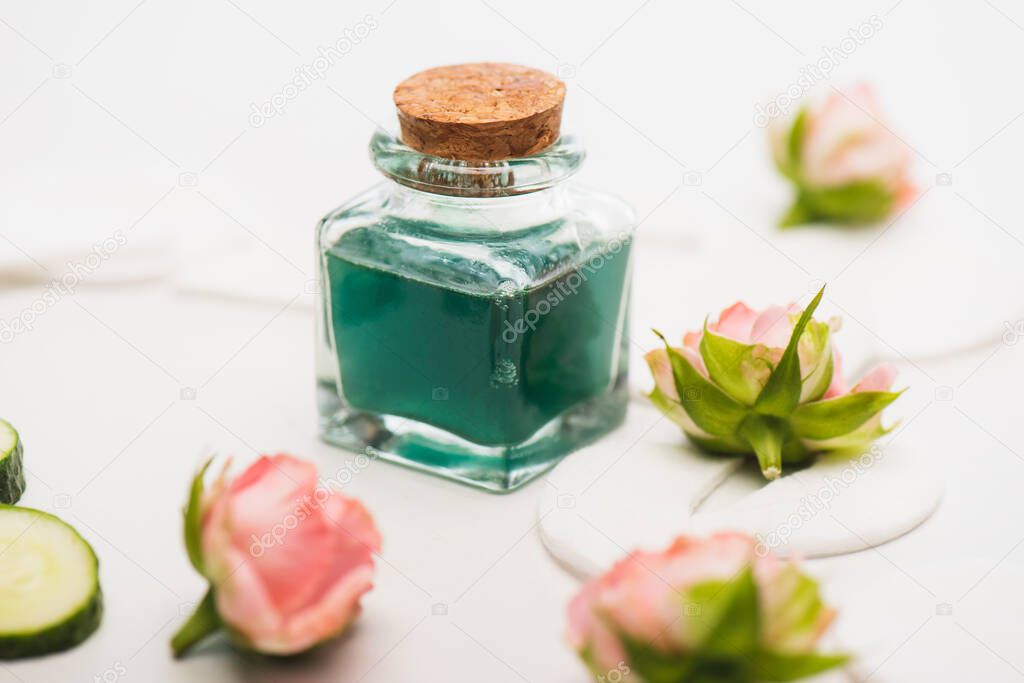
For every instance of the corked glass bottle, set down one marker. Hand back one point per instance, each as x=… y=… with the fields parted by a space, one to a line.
x=473 y=315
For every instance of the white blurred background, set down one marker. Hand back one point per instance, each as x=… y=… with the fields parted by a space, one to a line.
x=138 y=117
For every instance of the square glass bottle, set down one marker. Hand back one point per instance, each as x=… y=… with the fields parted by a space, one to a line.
x=473 y=315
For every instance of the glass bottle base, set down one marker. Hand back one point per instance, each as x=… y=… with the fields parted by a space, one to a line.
x=499 y=469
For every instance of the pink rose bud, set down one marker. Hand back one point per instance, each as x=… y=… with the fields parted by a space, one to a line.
x=769 y=383
x=701 y=610
x=287 y=559
x=845 y=162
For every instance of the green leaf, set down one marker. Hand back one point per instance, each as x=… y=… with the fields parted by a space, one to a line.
x=741 y=370
x=836 y=417
x=724 y=617
x=864 y=201
x=766 y=435
x=192 y=519
x=778 y=666
x=781 y=394
x=707 y=405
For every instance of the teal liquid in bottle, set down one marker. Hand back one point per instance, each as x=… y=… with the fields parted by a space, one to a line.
x=489 y=361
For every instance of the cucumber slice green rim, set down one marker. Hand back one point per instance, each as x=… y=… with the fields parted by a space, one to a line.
x=50 y=598
x=12 y=469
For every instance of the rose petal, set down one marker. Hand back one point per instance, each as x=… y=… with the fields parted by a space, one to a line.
x=587 y=631
x=288 y=559
x=691 y=340
x=274 y=514
x=846 y=142
x=838 y=385
x=642 y=599
x=773 y=327
x=329 y=615
x=880 y=378
x=661 y=368
x=736 y=322
x=243 y=602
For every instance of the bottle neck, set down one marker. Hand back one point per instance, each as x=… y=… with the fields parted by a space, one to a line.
x=476 y=179
x=480 y=216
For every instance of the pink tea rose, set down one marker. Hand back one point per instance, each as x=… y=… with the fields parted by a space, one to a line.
x=846 y=164
x=768 y=383
x=287 y=559
x=702 y=609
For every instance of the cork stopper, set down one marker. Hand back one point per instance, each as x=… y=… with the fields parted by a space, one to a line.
x=480 y=112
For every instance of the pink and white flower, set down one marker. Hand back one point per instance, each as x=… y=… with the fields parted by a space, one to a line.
x=733 y=360
x=846 y=163
x=287 y=559
x=673 y=609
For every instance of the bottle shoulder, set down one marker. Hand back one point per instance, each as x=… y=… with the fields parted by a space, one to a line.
x=470 y=246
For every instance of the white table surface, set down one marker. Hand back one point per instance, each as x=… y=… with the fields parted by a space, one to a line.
x=135 y=117
x=110 y=446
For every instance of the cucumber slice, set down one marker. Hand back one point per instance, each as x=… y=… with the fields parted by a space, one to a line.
x=50 y=597
x=12 y=472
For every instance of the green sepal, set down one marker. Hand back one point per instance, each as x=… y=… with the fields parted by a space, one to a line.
x=670 y=408
x=766 y=435
x=855 y=442
x=839 y=416
x=734 y=366
x=781 y=394
x=709 y=407
x=193 y=544
x=722 y=445
x=796 y=137
x=724 y=616
x=817 y=338
x=799 y=213
x=864 y=201
x=653 y=665
x=794 y=451
x=794 y=616
x=202 y=623
x=723 y=620
x=780 y=666
x=790 y=166
x=719 y=671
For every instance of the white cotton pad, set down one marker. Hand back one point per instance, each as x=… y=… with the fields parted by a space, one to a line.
x=644 y=484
